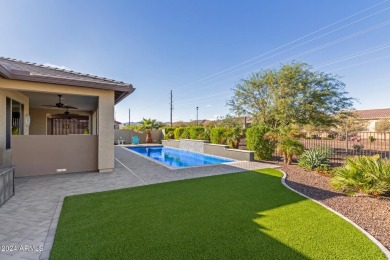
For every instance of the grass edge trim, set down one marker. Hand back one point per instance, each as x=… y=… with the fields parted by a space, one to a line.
x=384 y=250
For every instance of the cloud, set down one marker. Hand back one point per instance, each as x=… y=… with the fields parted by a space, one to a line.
x=208 y=105
x=62 y=67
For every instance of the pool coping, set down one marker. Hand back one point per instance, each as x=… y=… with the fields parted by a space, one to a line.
x=178 y=168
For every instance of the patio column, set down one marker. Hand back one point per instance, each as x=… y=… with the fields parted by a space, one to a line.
x=106 y=132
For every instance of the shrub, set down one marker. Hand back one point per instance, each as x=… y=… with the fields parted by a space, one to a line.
x=367 y=174
x=218 y=135
x=182 y=133
x=233 y=136
x=169 y=133
x=358 y=147
x=185 y=134
x=315 y=158
x=290 y=147
x=196 y=132
x=256 y=142
x=371 y=138
x=178 y=131
x=206 y=134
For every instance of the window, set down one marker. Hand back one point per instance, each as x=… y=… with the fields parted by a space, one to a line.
x=17 y=118
x=67 y=125
x=8 y=124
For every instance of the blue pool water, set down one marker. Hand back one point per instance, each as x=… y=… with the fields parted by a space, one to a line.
x=178 y=158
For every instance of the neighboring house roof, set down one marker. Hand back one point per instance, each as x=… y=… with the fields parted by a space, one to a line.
x=383 y=113
x=117 y=122
x=27 y=71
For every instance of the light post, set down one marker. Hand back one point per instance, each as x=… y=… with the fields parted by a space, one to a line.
x=197 y=109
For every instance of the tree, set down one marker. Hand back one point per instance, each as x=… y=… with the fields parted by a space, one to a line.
x=349 y=121
x=148 y=125
x=294 y=94
x=382 y=125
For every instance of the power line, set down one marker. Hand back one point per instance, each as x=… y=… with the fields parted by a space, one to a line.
x=360 y=63
x=284 y=45
x=354 y=55
x=323 y=46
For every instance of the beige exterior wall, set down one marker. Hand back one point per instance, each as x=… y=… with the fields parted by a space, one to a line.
x=105 y=115
x=127 y=136
x=46 y=154
x=5 y=155
x=106 y=131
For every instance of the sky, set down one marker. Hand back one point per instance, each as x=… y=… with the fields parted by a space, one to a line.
x=201 y=49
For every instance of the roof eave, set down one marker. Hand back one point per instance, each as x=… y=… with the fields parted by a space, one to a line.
x=123 y=95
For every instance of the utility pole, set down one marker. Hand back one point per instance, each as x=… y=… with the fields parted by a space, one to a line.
x=171 y=106
x=197 y=109
x=129 y=116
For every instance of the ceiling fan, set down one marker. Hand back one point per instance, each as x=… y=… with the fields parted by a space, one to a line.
x=60 y=104
x=66 y=115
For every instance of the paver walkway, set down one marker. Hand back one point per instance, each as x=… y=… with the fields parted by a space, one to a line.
x=29 y=218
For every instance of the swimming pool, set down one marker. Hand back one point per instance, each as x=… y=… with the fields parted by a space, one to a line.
x=178 y=158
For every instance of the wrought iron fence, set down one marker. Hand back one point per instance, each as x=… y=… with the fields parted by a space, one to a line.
x=347 y=144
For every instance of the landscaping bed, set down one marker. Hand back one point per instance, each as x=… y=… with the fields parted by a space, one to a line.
x=369 y=212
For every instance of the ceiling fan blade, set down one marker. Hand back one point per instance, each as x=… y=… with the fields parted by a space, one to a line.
x=49 y=106
x=69 y=107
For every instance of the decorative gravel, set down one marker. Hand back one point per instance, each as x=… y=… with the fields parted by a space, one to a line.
x=370 y=213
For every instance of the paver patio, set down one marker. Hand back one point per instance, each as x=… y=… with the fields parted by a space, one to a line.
x=30 y=217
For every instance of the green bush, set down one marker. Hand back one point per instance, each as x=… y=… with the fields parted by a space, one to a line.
x=178 y=131
x=218 y=135
x=256 y=142
x=196 y=132
x=185 y=134
x=290 y=147
x=169 y=133
x=233 y=136
x=315 y=158
x=367 y=174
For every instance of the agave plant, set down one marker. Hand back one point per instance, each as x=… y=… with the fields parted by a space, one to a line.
x=366 y=174
x=315 y=158
x=290 y=147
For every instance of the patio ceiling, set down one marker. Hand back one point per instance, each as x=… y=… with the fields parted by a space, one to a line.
x=83 y=103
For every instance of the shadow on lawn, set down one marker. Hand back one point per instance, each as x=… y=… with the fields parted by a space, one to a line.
x=313 y=192
x=220 y=217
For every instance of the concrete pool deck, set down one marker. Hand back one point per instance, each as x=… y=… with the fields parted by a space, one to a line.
x=30 y=217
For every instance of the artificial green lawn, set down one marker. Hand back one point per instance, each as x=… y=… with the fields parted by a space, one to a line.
x=248 y=215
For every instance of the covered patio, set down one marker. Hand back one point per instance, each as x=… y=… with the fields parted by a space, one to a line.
x=56 y=120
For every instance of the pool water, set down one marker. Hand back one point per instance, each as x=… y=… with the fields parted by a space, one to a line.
x=178 y=158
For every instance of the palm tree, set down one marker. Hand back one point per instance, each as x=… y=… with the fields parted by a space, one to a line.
x=288 y=143
x=148 y=125
x=290 y=147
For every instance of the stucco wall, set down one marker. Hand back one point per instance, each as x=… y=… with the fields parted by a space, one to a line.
x=43 y=154
x=212 y=149
x=171 y=143
x=224 y=151
x=105 y=114
x=5 y=155
x=127 y=136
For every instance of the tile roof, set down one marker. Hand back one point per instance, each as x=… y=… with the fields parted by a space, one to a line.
x=374 y=113
x=22 y=70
